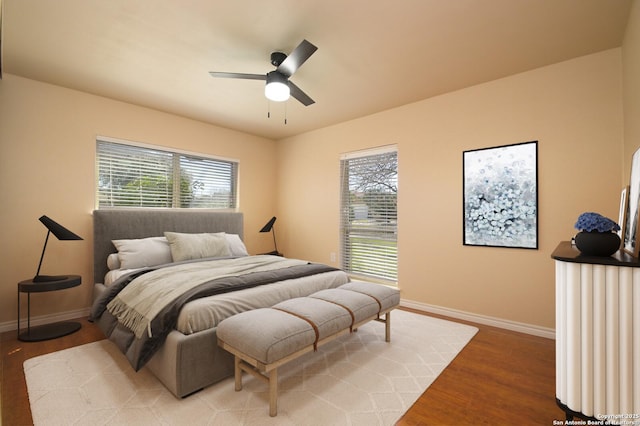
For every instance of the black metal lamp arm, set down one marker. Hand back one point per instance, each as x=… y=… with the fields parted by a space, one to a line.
x=273 y=231
x=46 y=240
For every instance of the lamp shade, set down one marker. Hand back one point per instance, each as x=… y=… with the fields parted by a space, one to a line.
x=277 y=87
x=269 y=225
x=58 y=230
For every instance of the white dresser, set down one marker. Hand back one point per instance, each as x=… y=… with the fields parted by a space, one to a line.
x=598 y=335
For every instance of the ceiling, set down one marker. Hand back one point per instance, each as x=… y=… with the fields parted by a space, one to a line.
x=372 y=54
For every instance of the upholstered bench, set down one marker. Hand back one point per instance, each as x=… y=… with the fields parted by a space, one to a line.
x=261 y=340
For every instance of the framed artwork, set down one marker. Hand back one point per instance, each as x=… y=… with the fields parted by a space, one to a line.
x=500 y=196
x=630 y=224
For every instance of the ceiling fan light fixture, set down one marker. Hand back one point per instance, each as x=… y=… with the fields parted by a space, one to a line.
x=277 y=87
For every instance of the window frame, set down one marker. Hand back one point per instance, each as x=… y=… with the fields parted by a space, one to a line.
x=346 y=256
x=177 y=155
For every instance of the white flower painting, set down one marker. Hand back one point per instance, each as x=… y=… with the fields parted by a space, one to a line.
x=501 y=196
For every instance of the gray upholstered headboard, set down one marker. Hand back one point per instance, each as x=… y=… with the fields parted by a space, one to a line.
x=141 y=223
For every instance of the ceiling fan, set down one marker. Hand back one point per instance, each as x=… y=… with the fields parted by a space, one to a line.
x=278 y=87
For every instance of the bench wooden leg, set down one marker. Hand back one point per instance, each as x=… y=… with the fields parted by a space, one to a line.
x=237 y=372
x=271 y=377
x=387 y=327
x=273 y=392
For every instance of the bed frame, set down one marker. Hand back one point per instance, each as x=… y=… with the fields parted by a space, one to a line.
x=185 y=363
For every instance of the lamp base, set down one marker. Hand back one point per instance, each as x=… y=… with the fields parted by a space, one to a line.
x=49 y=278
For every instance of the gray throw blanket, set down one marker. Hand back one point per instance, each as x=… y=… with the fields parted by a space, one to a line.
x=136 y=305
x=159 y=322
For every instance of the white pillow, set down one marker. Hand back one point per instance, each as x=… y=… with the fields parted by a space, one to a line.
x=236 y=246
x=113 y=261
x=197 y=246
x=143 y=252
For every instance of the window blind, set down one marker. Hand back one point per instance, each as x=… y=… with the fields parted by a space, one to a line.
x=135 y=176
x=369 y=214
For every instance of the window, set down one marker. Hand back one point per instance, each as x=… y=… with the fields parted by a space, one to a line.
x=369 y=213
x=137 y=176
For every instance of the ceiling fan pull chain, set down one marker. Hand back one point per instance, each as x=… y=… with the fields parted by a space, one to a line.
x=268 y=108
x=285 y=113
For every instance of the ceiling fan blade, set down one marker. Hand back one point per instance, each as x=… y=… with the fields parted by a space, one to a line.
x=238 y=75
x=297 y=93
x=296 y=58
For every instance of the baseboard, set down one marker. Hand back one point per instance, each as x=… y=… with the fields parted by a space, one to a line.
x=534 y=330
x=44 y=319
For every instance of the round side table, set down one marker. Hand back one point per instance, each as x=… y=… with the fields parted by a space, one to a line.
x=47 y=331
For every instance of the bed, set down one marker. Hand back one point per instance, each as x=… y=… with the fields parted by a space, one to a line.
x=188 y=358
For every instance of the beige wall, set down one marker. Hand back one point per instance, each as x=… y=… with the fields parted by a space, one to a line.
x=631 y=84
x=574 y=110
x=47 y=156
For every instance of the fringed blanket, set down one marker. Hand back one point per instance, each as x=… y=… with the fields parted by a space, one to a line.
x=147 y=303
x=137 y=305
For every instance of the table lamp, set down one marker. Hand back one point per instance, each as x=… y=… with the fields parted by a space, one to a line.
x=269 y=227
x=61 y=233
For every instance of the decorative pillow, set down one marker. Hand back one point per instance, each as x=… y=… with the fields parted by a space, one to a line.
x=113 y=261
x=236 y=246
x=197 y=246
x=143 y=252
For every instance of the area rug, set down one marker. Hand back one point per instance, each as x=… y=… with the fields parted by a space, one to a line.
x=357 y=379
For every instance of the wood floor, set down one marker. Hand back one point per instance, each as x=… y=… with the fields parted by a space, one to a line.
x=499 y=378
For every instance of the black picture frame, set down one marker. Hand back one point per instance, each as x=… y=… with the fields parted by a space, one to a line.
x=500 y=196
